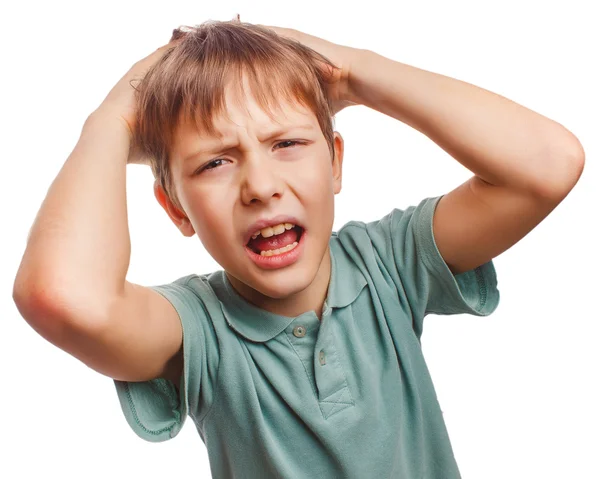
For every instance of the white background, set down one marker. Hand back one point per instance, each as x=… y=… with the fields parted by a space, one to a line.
x=519 y=389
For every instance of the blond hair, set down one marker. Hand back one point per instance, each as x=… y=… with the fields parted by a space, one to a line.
x=188 y=85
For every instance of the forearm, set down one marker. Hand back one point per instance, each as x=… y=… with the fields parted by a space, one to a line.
x=78 y=249
x=498 y=140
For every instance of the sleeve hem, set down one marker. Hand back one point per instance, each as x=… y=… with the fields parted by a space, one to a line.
x=473 y=292
x=152 y=408
x=127 y=393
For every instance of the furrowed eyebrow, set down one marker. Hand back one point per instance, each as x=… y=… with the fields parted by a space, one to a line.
x=218 y=149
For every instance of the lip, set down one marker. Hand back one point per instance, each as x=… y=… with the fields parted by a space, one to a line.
x=263 y=223
x=280 y=260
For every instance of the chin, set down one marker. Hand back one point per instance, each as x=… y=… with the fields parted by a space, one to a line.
x=277 y=284
x=281 y=288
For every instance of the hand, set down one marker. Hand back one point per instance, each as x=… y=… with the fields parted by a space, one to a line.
x=339 y=84
x=120 y=101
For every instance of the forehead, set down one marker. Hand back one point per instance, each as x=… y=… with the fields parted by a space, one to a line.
x=243 y=114
x=243 y=111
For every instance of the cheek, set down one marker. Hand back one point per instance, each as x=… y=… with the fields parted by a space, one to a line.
x=212 y=217
x=316 y=174
x=318 y=183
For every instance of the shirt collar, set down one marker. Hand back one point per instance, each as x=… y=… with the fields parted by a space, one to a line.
x=259 y=325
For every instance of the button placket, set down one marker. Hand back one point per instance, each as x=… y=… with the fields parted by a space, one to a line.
x=330 y=378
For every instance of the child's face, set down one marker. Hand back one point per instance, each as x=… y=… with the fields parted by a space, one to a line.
x=256 y=179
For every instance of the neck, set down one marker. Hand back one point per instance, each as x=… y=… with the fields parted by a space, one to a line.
x=311 y=298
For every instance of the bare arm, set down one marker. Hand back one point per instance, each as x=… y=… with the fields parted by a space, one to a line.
x=79 y=244
x=71 y=286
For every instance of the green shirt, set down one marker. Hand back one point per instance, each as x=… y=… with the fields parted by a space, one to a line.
x=349 y=396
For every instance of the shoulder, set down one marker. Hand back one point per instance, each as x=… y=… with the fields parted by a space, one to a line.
x=192 y=288
x=194 y=300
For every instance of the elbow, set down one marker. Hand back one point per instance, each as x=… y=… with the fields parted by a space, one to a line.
x=38 y=309
x=46 y=310
x=563 y=172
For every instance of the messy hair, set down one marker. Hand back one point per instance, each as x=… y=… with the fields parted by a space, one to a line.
x=187 y=84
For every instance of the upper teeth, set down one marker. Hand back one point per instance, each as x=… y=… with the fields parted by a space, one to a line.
x=273 y=230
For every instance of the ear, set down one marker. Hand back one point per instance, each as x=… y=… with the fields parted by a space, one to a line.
x=177 y=216
x=338 y=147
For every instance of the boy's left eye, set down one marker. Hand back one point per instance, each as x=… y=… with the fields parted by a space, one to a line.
x=210 y=165
x=288 y=141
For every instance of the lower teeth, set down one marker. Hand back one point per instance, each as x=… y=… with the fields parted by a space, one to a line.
x=274 y=252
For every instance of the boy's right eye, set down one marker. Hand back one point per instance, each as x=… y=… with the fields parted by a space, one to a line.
x=208 y=165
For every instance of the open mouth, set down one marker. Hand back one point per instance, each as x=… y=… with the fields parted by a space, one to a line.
x=297 y=229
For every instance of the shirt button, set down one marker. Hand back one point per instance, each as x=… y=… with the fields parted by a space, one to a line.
x=322 y=357
x=299 y=331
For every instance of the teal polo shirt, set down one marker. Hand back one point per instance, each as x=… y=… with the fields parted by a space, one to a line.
x=349 y=396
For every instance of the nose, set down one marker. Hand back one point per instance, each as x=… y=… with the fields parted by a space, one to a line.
x=261 y=181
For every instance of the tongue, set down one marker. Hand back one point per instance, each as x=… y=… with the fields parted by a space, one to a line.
x=274 y=242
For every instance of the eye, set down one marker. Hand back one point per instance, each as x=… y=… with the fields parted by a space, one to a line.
x=289 y=141
x=211 y=165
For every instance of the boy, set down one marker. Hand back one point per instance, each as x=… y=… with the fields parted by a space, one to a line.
x=301 y=358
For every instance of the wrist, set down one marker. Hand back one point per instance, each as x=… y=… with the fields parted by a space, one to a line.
x=356 y=67
x=103 y=127
x=106 y=116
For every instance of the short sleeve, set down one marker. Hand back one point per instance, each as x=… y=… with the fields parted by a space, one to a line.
x=410 y=253
x=152 y=408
